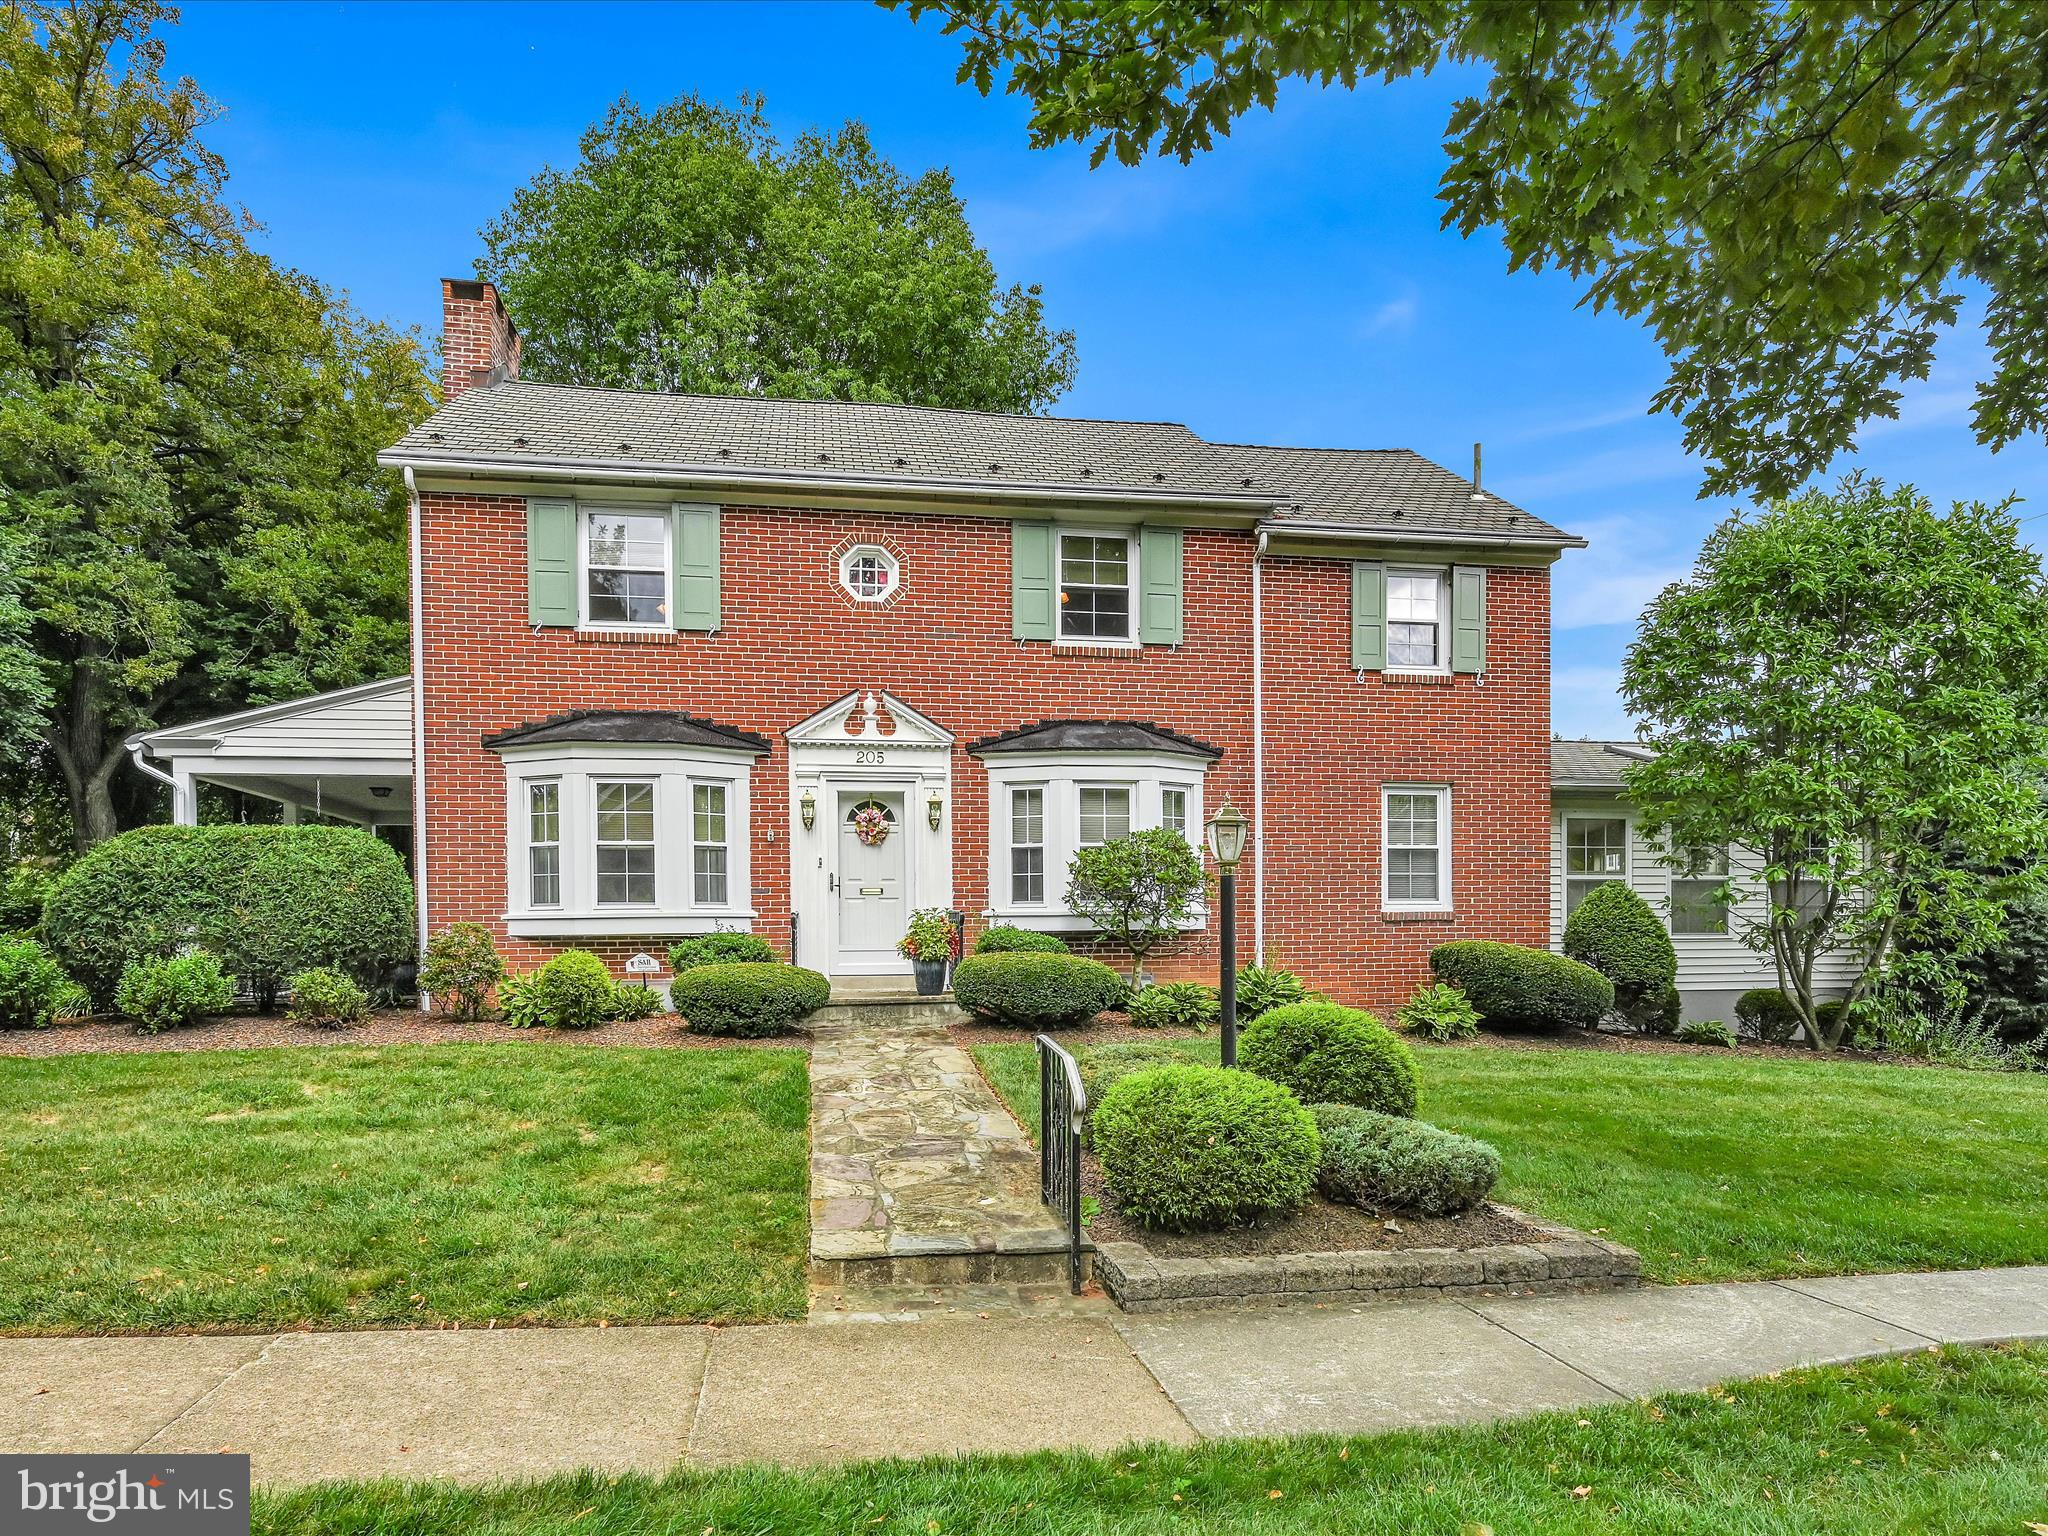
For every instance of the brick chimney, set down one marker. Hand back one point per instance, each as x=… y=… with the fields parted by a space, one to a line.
x=479 y=344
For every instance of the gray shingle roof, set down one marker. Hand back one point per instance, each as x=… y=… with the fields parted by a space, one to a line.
x=734 y=437
x=666 y=726
x=1093 y=736
x=1592 y=764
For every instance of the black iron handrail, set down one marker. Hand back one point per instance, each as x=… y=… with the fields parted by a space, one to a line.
x=1062 y=1105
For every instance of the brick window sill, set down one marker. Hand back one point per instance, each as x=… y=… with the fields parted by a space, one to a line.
x=627 y=637
x=1417 y=679
x=1393 y=915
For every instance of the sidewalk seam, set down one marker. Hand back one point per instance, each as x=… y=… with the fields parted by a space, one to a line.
x=1577 y=1370
x=710 y=1335
x=1117 y=1326
x=1843 y=1306
x=209 y=1393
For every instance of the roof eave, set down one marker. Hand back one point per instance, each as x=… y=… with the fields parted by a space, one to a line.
x=1410 y=533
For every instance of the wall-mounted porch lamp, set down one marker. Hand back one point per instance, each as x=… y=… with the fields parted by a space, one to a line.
x=934 y=811
x=807 y=807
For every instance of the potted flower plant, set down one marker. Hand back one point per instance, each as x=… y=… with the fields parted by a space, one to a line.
x=928 y=946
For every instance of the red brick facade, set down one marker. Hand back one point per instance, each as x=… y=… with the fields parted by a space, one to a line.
x=791 y=642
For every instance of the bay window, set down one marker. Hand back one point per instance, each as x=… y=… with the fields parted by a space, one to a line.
x=544 y=842
x=1027 y=845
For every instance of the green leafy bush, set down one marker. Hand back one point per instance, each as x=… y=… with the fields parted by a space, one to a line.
x=1391 y=1163
x=1002 y=939
x=1041 y=991
x=32 y=985
x=632 y=1001
x=268 y=901
x=459 y=969
x=1193 y=1148
x=1262 y=988
x=572 y=991
x=327 y=998
x=929 y=937
x=1707 y=1032
x=1174 y=1005
x=746 y=1000
x=1440 y=1012
x=720 y=949
x=164 y=993
x=1615 y=932
x=1104 y=1066
x=1137 y=890
x=1765 y=1014
x=1331 y=1055
x=23 y=891
x=1514 y=987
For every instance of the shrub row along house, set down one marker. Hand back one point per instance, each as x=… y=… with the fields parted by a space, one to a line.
x=685 y=663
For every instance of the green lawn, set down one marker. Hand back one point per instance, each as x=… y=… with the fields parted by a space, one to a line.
x=1949 y=1443
x=404 y=1184
x=1724 y=1167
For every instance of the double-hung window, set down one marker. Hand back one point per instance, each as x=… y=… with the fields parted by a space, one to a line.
x=624 y=842
x=1417 y=603
x=544 y=842
x=1096 y=579
x=1595 y=853
x=708 y=847
x=1105 y=814
x=1027 y=845
x=1698 y=878
x=1173 y=810
x=625 y=569
x=1417 y=852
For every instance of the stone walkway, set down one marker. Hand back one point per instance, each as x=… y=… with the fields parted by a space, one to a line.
x=309 y=1406
x=913 y=1157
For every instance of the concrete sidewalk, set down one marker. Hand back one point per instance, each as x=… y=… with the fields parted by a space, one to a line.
x=488 y=1405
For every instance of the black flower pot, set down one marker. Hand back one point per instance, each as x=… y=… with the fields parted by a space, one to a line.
x=931 y=977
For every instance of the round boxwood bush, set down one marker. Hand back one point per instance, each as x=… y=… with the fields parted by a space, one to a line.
x=267 y=901
x=1766 y=1014
x=1192 y=1148
x=1003 y=939
x=1104 y=1066
x=1040 y=991
x=1392 y=1163
x=1514 y=987
x=32 y=985
x=747 y=999
x=572 y=991
x=327 y=998
x=720 y=949
x=1332 y=1055
x=1174 y=1005
x=161 y=994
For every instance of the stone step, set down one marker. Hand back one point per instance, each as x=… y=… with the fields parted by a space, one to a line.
x=953 y=1303
x=886 y=1010
x=886 y=1273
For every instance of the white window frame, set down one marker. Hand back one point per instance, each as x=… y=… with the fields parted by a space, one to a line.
x=1441 y=794
x=889 y=562
x=1012 y=847
x=1165 y=791
x=1061 y=777
x=1682 y=864
x=661 y=515
x=1133 y=585
x=1620 y=877
x=652 y=842
x=674 y=771
x=699 y=845
x=1128 y=788
x=1441 y=575
x=535 y=845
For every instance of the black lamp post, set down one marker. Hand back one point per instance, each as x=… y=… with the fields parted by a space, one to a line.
x=1227 y=829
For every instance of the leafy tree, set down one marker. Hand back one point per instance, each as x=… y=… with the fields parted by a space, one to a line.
x=1138 y=890
x=687 y=250
x=1791 y=195
x=187 y=432
x=24 y=691
x=1853 y=686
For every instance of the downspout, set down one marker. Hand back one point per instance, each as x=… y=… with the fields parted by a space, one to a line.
x=419 y=729
x=1259 y=752
x=136 y=747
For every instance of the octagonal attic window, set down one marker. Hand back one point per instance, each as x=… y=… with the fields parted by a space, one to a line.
x=869 y=573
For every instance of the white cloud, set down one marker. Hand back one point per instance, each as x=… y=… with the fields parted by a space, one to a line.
x=1619 y=415
x=1396 y=317
x=1586 y=702
x=1610 y=581
x=1615 y=467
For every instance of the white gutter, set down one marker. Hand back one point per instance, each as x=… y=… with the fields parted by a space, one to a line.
x=1380 y=534
x=1259 y=751
x=137 y=745
x=419 y=727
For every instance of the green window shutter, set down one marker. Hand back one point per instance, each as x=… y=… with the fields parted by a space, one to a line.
x=1368 y=617
x=1032 y=590
x=1159 y=568
x=551 y=562
x=1468 y=618
x=696 y=573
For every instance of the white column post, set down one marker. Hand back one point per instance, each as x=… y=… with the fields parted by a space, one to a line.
x=184 y=796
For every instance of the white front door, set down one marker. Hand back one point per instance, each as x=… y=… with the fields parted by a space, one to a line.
x=874 y=907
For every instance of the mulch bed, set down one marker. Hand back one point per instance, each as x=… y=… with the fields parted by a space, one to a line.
x=395 y=1026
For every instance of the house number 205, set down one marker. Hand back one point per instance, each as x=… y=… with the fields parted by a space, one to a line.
x=867 y=757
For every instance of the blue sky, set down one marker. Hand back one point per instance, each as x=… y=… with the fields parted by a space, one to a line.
x=1292 y=286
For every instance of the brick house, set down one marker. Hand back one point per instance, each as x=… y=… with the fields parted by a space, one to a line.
x=667 y=647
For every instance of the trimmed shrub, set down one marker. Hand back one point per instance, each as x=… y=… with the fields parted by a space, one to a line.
x=720 y=949
x=1193 y=1148
x=1104 y=1066
x=1658 y=1015
x=1175 y=1005
x=1042 y=991
x=1514 y=987
x=161 y=994
x=1614 y=931
x=327 y=998
x=746 y=1000
x=1003 y=939
x=1331 y=1055
x=1262 y=988
x=268 y=901
x=1707 y=1032
x=23 y=891
x=33 y=985
x=572 y=991
x=1388 y=1162
x=1440 y=1012
x=461 y=966
x=1765 y=1014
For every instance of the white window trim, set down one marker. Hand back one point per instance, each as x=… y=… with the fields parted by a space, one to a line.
x=888 y=559
x=1675 y=866
x=1134 y=585
x=1566 y=877
x=652 y=843
x=696 y=844
x=530 y=844
x=1442 y=576
x=1008 y=801
x=668 y=568
x=1442 y=794
x=1062 y=777
x=674 y=770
